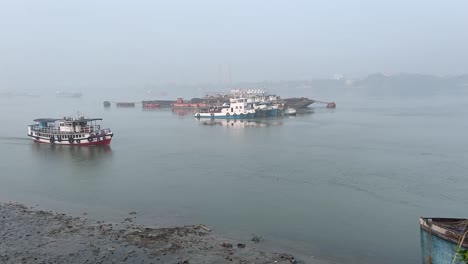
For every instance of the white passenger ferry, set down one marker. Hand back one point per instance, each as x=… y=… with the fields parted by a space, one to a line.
x=79 y=131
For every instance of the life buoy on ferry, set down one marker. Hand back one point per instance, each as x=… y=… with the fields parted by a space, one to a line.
x=212 y=115
x=78 y=141
x=234 y=114
x=70 y=140
x=98 y=139
x=59 y=138
x=103 y=137
x=227 y=114
x=52 y=140
x=198 y=115
x=90 y=139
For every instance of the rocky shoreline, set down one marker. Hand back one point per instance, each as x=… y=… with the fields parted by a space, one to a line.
x=28 y=235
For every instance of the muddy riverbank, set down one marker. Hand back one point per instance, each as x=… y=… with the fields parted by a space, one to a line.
x=28 y=235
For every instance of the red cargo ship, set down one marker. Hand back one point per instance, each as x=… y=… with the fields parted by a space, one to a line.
x=187 y=104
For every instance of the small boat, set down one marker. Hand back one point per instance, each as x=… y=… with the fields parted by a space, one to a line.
x=442 y=239
x=70 y=131
x=290 y=112
x=125 y=104
x=69 y=94
x=237 y=108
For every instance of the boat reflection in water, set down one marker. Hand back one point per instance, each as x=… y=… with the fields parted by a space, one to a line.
x=240 y=123
x=151 y=109
x=75 y=154
x=182 y=112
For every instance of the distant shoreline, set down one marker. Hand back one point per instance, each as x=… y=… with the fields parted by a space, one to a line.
x=28 y=235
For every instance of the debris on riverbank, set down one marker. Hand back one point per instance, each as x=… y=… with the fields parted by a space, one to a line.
x=34 y=236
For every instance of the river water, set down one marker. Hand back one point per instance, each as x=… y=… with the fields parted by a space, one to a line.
x=343 y=185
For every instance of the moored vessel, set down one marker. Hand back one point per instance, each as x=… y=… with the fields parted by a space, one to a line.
x=79 y=131
x=148 y=105
x=298 y=103
x=237 y=108
x=180 y=103
x=125 y=104
x=443 y=240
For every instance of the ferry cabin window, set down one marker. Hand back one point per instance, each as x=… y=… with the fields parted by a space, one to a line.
x=232 y=109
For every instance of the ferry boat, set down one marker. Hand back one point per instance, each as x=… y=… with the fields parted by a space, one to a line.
x=79 y=131
x=237 y=108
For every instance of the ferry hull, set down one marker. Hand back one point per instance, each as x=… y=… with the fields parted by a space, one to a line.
x=106 y=141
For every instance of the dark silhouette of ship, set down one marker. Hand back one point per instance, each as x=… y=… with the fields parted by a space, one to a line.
x=298 y=102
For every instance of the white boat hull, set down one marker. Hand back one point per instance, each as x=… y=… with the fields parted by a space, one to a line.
x=85 y=141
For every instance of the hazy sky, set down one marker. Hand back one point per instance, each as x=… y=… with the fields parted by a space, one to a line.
x=92 y=42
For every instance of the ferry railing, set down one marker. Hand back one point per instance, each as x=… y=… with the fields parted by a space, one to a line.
x=47 y=130
x=91 y=129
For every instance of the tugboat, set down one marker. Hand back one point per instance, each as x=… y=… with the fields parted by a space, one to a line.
x=79 y=131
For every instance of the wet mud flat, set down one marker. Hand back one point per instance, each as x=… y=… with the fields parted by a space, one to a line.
x=29 y=235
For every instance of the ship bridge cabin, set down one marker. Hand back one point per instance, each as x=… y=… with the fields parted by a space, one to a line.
x=238 y=106
x=78 y=125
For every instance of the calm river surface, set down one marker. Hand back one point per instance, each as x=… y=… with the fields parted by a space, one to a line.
x=343 y=185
